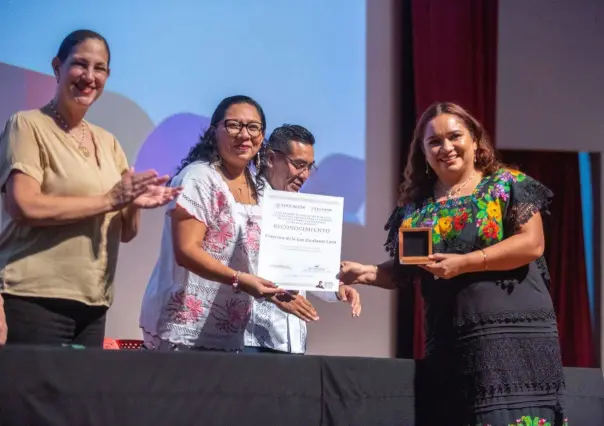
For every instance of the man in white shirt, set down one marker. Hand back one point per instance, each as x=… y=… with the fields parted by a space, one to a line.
x=279 y=326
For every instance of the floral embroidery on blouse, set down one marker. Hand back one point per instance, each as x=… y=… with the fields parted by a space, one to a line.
x=184 y=308
x=222 y=231
x=252 y=237
x=484 y=208
x=530 y=421
x=233 y=316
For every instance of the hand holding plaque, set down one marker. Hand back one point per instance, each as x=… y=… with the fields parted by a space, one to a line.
x=415 y=245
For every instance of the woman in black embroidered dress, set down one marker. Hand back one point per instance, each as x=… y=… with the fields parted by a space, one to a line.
x=492 y=349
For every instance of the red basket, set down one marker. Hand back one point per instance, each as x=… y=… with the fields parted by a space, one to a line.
x=117 y=344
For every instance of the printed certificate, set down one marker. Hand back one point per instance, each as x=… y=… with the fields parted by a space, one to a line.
x=301 y=240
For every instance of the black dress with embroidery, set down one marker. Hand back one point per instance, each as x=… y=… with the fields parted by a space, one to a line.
x=492 y=349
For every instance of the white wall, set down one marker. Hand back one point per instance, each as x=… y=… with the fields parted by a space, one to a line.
x=550 y=75
x=336 y=333
x=550 y=82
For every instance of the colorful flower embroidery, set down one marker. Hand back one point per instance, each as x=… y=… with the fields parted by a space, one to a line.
x=485 y=208
x=494 y=211
x=449 y=223
x=498 y=191
x=529 y=421
x=427 y=223
x=443 y=226
x=407 y=223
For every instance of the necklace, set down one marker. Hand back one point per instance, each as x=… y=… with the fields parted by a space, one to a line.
x=85 y=151
x=245 y=206
x=239 y=191
x=452 y=193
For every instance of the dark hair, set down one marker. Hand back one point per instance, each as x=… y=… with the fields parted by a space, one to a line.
x=417 y=184
x=77 y=37
x=282 y=136
x=207 y=149
x=280 y=140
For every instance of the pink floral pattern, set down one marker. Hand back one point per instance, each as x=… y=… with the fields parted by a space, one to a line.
x=184 y=308
x=233 y=316
x=252 y=237
x=193 y=310
x=221 y=203
x=217 y=237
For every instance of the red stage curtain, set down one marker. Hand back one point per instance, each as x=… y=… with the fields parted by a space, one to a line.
x=564 y=249
x=449 y=53
x=451 y=49
x=455 y=55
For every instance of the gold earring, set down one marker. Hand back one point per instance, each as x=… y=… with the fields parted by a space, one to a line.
x=257 y=160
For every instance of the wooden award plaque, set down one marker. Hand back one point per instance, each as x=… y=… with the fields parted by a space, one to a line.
x=415 y=245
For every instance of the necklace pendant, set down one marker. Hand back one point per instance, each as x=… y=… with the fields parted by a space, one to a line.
x=85 y=152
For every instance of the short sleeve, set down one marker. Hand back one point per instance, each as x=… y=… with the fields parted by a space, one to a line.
x=20 y=150
x=392 y=226
x=121 y=161
x=527 y=197
x=201 y=196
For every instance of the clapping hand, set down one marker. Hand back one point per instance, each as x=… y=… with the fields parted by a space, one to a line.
x=144 y=190
x=156 y=196
x=131 y=186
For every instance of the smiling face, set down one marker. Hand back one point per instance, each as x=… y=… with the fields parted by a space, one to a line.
x=82 y=75
x=239 y=134
x=289 y=170
x=448 y=146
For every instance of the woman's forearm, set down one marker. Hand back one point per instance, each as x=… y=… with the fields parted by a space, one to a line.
x=511 y=253
x=198 y=261
x=385 y=276
x=47 y=210
x=131 y=217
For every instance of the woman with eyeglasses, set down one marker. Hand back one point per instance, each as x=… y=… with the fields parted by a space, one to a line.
x=201 y=290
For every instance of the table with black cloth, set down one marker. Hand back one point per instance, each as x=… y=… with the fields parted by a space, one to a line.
x=57 y=386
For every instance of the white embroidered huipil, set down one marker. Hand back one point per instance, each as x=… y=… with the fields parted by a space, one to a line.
x=181 y=307
x=270 y=327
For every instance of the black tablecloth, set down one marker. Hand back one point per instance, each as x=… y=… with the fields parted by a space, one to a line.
x=45 y=386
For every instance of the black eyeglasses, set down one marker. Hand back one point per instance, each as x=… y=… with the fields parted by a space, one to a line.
x=299 y=165
x=234 y=127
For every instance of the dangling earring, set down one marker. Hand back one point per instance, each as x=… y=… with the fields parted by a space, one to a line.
x=257 y=160
x=427 y=168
